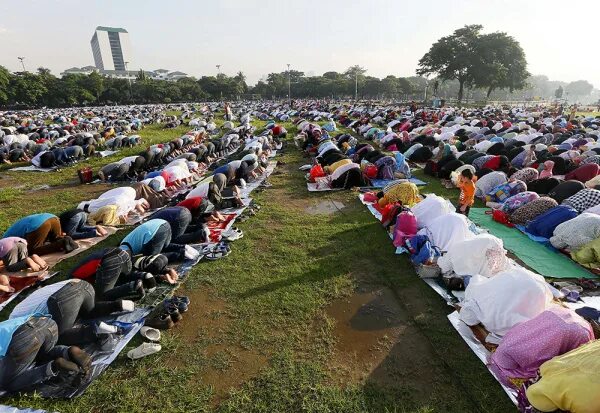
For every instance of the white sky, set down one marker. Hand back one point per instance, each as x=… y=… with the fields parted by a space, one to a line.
x=560 y=38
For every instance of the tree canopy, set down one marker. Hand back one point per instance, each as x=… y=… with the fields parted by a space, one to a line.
x=488 y=61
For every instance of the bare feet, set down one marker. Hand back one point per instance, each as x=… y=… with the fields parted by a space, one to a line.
x=101 y=231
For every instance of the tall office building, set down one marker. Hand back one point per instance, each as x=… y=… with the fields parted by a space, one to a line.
x=111 y=48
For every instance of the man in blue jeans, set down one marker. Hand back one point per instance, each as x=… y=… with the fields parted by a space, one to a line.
x=67 y=302
x=29 y=354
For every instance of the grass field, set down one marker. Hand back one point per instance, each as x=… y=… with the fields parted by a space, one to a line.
x=312 y=312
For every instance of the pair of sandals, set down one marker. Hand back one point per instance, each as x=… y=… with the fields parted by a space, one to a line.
x=216 y=252
x=232 y=234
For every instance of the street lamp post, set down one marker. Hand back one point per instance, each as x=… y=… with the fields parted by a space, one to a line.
x=128 y=80
x=289 y=86
x=356 y=85
x=21 y=58
x=219 y=72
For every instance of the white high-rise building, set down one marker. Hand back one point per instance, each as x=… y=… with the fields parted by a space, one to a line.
x=111 y=48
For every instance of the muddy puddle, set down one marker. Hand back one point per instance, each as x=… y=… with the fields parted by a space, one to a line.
x=375 y=342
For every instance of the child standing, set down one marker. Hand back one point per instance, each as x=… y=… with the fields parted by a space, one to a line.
x=466 y=183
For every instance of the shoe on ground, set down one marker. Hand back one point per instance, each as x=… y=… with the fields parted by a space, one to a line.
x=139 y=289
x=145 y=349
x=160 y=322
x=173 y=311
x=150 y=333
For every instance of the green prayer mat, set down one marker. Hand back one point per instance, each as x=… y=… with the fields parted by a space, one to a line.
x=543 y=260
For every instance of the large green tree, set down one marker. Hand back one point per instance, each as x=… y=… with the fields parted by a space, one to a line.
x=454 y=57
x=501 y=63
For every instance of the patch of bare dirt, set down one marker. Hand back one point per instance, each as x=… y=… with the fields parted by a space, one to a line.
x=225 y=365
x=376 y=342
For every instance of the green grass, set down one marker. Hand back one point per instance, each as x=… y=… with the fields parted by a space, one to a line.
x=259 y=336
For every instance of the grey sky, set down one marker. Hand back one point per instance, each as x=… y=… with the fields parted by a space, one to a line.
x=260 y=36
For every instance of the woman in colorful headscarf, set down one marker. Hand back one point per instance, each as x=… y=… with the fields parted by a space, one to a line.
x=504 y=191
x=404 y=192
x=528 y=345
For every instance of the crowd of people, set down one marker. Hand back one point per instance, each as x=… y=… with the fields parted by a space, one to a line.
x=180 y=212
x=532 y=167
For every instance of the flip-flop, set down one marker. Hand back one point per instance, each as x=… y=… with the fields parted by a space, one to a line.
x=145 y=349
x=150 y=333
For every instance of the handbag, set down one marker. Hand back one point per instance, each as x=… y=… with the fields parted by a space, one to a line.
x=85 y=175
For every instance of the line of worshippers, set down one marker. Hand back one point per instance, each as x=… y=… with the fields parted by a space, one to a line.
x=542 y=172
x=43 y=337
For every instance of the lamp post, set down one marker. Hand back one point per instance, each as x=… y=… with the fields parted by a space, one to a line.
x=128 y=80
x=356 y=85
x=219 y=72
x=21 y=58
x=289 y=86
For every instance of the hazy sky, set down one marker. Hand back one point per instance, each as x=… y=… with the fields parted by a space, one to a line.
x=560 y=38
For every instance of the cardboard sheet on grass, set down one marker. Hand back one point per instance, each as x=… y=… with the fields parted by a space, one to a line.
x=480 y=351
x=535 y=255
x=251 y=186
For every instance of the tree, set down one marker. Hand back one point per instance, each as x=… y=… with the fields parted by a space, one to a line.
x=356 y=75
x=579 y=88
x=240 y=78
x=94 y=83
x=26 y=88
x=4 y=82
x=454 y=57
x=500 y=63
x=558 y=94
x=141 y=75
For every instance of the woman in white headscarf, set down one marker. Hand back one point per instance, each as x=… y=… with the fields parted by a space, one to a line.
x=446 y=230
x=509 y=298
x=484 y=255
x=432 y=207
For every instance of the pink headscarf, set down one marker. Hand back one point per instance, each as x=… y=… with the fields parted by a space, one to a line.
x=547 y=172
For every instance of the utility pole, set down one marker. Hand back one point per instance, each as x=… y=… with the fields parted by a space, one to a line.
x=356 y=85
x=425 y=96
x=289 y=86
x=219 y=72
x=129 y=80
x=21 y=58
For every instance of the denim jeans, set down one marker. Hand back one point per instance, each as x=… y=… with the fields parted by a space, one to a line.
x=114 y=278
x=161 y=244
x=76 y=300
x=179 y=218
x=30 y=354
x=76 y=227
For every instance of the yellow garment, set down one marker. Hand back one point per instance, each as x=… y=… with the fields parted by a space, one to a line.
x=588 y=255
x=331 y=168
x=107 y=215
x=570 y=382
x=405 y=192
